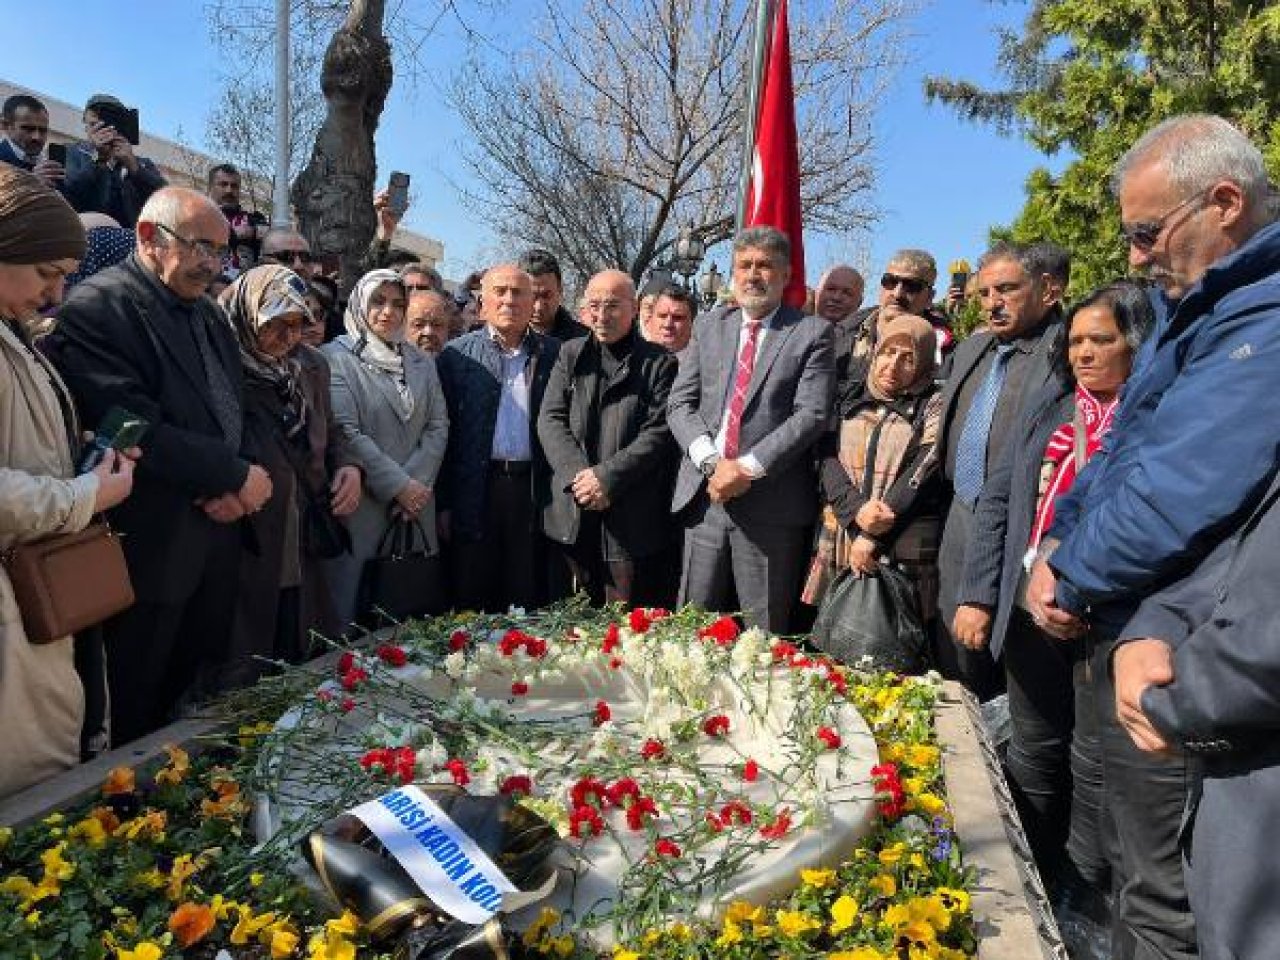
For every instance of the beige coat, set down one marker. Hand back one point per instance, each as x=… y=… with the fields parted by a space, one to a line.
x=41 y=699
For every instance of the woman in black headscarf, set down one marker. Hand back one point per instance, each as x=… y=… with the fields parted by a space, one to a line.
x=42 y=699
x=288 y=420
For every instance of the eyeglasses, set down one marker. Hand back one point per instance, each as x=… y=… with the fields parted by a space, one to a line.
x=284 y=257
x=1146 y=234
x=204 y=248
x=419 y=288
x=601 y=306
x=910 y=285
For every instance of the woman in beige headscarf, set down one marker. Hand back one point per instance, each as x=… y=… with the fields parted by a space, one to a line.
x=879 y=470
x=42 y=700
x=289 y=424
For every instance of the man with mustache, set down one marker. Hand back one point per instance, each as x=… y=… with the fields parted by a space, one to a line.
x=753 y=395
x=143 y=336
x=988 y=379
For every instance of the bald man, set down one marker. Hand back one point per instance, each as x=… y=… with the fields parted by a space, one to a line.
x=839 y=293
x=494 y=379
x=603 y=426
x=143 y=336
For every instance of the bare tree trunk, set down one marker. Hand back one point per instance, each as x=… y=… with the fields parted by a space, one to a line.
x=333 y=196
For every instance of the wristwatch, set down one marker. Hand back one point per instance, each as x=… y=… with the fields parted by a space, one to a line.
x=708 y=466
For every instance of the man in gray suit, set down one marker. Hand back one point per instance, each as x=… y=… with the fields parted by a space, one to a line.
x=989 y=378
x=754 y=393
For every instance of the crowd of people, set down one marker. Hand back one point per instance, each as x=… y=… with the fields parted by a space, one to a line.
x=1081 y=494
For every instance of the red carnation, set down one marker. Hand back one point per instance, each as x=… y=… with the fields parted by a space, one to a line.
x=535 y=647
x=783 y=651
x=622 y=791
x=829 y=737
x=511 y=641
x=392 y=655
x=346 y=662
x=735 y=813
x=324 y=696
x=653 y=750
x=640 y=811
x=612 y=637
x=351 y=679
x=519 y=688
x=458 y=640
x=459 y=770
x=714 y=822
x=585 y=821
x=347 y=705
x=751 y=771
x=639 y=620
x=779 y=827
x=724 y=631
x=588 y=791
x=518 y=784
x=603 y=714
x=667 y=848
x=716 y=726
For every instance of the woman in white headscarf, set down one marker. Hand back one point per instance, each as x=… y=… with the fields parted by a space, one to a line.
x=387 y=397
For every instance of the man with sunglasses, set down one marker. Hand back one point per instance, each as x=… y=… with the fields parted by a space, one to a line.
x=906 y=287
x=289 y=248
x=1191 y=453
x=144 y=336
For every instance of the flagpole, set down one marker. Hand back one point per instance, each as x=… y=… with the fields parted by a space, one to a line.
x=759 y=46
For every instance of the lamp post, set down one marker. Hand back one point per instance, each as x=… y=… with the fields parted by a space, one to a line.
x=712 y=283
x=689 y=250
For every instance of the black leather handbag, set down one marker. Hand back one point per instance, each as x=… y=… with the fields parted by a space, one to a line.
x=402 y=579
x=874 y=617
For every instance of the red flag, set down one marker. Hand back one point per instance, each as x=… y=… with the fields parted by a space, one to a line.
x=773 y=193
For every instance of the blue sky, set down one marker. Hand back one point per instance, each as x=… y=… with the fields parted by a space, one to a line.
x=942 y=183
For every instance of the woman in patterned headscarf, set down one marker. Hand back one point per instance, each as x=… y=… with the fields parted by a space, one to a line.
x=42 y=699
x=387 y=396
x=289 y=424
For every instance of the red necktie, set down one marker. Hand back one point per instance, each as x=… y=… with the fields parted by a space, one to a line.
x=742 y=380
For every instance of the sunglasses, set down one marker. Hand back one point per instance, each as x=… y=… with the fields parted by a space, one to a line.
x=1146 y=234
x=283 y=257
x=910 y=285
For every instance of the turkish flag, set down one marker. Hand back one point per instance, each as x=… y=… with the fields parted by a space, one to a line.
x=773 y=192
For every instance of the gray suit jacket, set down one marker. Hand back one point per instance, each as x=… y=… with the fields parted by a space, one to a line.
x=789 y=403
x=391 y=451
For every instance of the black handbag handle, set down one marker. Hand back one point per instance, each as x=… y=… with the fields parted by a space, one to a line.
x=401 y=536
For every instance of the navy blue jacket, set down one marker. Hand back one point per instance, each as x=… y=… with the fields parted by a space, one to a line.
x=471 y=374
x=1195 y=443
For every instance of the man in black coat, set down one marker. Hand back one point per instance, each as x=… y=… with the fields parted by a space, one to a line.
x=603 y=427
x=550 y=318
x=143 y=336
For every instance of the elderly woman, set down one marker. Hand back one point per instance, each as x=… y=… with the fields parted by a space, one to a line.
x=1053 y=764
x=387 y=397
x=290 y=424
x=877 y=476
x=42 y=700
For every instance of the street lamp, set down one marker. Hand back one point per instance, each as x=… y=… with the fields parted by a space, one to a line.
x=712 y=283
x=689 y=251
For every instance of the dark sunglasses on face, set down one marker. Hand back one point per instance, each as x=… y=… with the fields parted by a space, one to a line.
x=910 y=285
x=283 y=257
x=1146 y=234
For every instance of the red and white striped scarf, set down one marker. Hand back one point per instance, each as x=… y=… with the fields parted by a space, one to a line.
x=1058 y=468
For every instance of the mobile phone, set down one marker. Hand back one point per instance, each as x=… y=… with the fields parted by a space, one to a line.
x=960 y=271
x=119 y=430
x=57 y=152
x=124 y=119
x=398 y=192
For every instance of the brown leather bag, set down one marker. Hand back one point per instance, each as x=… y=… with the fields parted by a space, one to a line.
x=67 y=582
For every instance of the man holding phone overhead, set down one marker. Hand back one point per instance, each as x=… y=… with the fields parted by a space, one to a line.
x=104 y=175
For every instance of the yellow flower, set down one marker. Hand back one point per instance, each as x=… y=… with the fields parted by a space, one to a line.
x=892 y=854
x=680 y=931
x=731 y=934
x=183 y=867
x=18 y=885
x=347 y=925
x=912 y=785
x=90 y=830
x=953 y=901
x=146 y=950
x=6 y=836
x=922 y=755
x=283 y=943
x=930 y=804
x=621 y=953
x=818 y=879
x=32 y=918
x=859 y=953
x=149 y=824
x=562 y=946
x=152 y=879
x=884 y=885
x=893 y=753
x=255 y=879
x=248 y=926
x=546 y=920
x=843 y=912
x=740 y=911
x=795 y=923
x=176 y=770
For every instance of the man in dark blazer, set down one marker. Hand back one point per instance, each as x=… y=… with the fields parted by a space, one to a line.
x=494 y=472
x=754 y=393
x=603 y=426
x=143 y=336
x=26 y=127
x=989 y=379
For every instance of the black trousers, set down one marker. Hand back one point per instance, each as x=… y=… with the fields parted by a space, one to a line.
x=156 y=652
x=507 y=564
x=1055 y=758
x=638 y=582
x=1146 y=796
